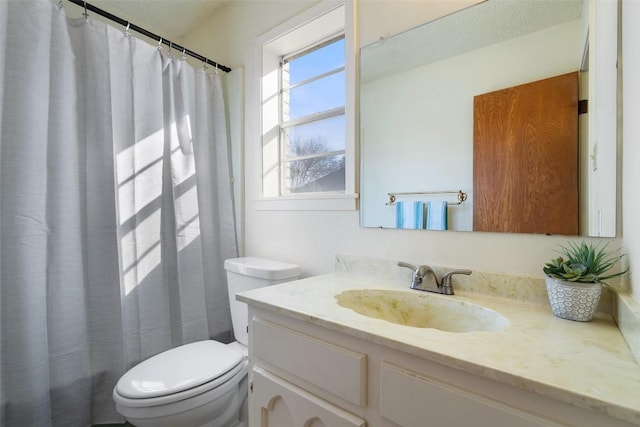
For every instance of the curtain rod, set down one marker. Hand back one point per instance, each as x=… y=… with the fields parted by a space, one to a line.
x=130 y=26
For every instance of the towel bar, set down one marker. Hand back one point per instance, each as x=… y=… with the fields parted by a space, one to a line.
x=462 y=196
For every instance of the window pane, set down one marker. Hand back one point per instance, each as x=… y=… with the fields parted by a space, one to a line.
x=317 y=62
x=319 y=95
x=321 y=136
x=315 y=175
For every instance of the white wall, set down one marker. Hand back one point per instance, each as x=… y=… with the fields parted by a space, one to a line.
x=631 y=138
x=311 y=239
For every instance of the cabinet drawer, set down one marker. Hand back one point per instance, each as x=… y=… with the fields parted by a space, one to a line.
x=339 y=371
x=278 y=403
x=412 y=399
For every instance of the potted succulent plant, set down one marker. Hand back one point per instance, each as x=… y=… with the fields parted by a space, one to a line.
x=575 y=278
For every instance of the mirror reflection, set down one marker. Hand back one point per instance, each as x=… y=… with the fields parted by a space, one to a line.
x=465 y=126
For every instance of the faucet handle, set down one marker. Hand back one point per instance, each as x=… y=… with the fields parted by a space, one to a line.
x=407 y=265
x=416 y=275
x=445 y=281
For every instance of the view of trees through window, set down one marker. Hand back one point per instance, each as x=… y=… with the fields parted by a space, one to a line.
x=314 y=173
x=313 y=119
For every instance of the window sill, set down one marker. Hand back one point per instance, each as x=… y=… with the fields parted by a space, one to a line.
x=309 y=202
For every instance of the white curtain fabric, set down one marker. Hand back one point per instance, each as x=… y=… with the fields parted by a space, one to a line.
x=115 y=212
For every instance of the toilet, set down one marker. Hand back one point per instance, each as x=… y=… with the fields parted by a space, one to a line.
x=204 y=383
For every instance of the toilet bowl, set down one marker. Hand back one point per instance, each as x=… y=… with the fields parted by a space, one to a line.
x=190 y=385
x=201 y=384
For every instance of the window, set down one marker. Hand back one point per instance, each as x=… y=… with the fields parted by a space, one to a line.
x=312 y=123
x=307 y=87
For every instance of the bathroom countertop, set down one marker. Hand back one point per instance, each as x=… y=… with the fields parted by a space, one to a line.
x=587 y=364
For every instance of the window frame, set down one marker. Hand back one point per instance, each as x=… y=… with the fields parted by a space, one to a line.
x=269 y=48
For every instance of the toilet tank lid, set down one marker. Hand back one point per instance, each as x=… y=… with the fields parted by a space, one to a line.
x=262 y=268
x=178 y=369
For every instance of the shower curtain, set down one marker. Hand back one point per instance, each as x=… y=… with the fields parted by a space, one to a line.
x=115 y=211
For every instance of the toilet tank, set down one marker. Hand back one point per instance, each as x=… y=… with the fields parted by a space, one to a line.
x=248 y=273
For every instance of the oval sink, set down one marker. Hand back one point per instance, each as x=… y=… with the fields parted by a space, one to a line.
x=422 y=310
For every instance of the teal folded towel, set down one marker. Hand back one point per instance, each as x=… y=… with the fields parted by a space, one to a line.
x=436 y=215
x=410 y=215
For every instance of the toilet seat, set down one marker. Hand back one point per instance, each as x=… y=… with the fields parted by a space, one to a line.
x=202 y=366
x=204 y=392
x=185 y=407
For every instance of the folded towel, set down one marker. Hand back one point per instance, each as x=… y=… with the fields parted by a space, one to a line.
x=436 y=215
x=410 y=215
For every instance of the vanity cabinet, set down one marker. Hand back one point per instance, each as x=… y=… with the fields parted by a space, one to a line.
x=306 y=375
x=278 y=403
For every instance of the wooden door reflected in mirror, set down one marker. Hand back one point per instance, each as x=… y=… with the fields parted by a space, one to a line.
x=525 y=158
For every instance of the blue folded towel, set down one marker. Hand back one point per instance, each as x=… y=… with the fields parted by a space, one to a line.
x=410 y=215
x=436 y=215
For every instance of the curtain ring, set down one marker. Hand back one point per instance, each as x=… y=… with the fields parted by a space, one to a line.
x=160 y=44
x=184 y=54
x=60 y=5
x=86 y=14
x=169 y=54
x=126 y=30
x=204 y=64
x=217 y=69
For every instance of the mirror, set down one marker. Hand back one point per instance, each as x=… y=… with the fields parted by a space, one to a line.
x=417 y=93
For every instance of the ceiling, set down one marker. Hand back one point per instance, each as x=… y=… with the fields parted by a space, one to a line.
x=477 y=26
x=167 y=18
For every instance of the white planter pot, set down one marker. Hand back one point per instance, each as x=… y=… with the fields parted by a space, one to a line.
x=573 y=301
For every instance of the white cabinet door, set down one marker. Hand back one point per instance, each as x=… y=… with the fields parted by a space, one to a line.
x=340 y=371
x=412 y=399
x=277 y=403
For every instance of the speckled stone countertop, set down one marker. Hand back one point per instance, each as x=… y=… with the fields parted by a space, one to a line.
x=587 y=364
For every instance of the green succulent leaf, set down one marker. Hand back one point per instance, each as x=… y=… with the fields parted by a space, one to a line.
x=585 y=263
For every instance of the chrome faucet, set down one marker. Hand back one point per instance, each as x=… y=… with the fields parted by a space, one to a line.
x=422 y=273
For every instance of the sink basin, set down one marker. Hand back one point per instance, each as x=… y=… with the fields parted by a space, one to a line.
x=422 y=310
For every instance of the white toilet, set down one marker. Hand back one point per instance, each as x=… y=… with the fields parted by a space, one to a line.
x=202 y=384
